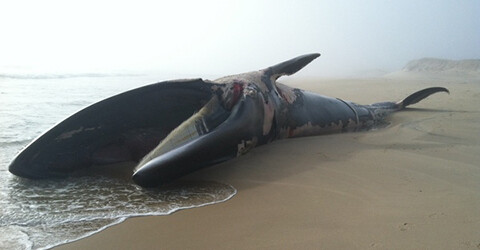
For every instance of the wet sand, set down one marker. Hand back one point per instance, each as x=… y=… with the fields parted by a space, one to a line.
x=412 y=185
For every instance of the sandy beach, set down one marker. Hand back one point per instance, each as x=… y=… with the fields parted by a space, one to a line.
x=412 y=185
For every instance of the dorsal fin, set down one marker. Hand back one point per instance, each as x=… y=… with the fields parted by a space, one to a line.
x=291 y=66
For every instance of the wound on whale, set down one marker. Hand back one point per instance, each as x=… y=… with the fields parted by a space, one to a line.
x=154 y=126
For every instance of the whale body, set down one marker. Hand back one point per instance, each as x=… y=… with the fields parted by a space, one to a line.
x=173 y=128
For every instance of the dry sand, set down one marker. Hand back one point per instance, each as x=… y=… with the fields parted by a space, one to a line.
x=412 y=185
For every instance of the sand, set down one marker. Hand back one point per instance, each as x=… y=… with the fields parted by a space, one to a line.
x=412 y=185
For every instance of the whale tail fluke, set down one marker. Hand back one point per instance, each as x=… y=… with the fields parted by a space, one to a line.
x=382 y=109
x=419 y=95
x=411 y=99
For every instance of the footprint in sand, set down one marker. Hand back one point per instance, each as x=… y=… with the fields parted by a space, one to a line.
x=436 y=215
x=376 y=245
x=405 y=226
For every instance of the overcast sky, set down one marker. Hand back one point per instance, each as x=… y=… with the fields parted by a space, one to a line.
x=225 y=37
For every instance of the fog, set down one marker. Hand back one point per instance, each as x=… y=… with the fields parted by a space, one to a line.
x=202 y=38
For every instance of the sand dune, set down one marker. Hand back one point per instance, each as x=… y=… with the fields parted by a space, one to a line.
x=443 y=65
x=412 y=185
x=437 y=69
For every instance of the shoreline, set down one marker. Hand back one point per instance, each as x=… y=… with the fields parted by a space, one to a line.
x=123 y=219
x=413 y=184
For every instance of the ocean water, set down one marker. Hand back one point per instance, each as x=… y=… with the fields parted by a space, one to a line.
x=45 y=213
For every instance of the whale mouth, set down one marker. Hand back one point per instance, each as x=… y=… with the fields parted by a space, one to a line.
x=136 y=126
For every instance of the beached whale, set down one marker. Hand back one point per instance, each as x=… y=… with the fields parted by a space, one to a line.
x=175 y=127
